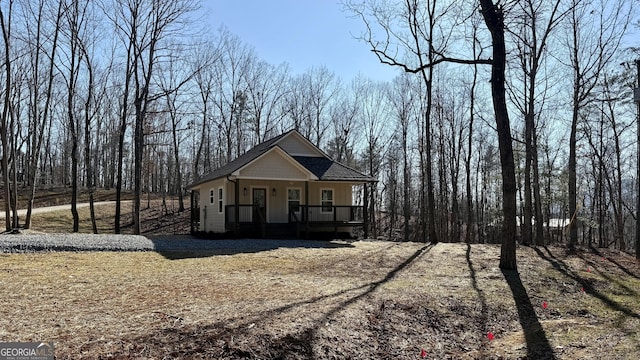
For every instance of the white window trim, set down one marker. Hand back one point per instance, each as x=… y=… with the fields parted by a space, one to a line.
x=287 y=197
x=333 y=200
x=220 y=200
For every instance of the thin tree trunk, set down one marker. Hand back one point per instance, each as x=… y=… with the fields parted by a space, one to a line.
x=87 y=140
x=6 y=30
x=123 y=122
x=73 y=19
x=638 y=168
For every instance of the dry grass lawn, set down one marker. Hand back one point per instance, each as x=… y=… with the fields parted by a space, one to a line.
x=357 y=300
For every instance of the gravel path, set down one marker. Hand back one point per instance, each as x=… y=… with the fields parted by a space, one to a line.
x=21 y=243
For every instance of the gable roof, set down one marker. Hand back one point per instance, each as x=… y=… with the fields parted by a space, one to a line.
x=322 y=167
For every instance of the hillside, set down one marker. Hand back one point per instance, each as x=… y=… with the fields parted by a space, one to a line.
x=357 y=300
x=156 y=219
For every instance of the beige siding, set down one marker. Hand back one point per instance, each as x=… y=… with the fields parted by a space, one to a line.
x=211 y=220
x=277 y=203
x=341 y=196
x=341 y=192
x=296 y=146
x=273 y=166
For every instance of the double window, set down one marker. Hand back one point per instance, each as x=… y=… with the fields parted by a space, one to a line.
x=212 y=196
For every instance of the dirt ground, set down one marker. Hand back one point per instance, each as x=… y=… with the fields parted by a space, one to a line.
x=340 y=300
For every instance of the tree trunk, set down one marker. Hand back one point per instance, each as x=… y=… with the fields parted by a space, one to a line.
x=638 y=168
x=406 y=178
x=573 y=230
x=138 y=141
x=494 y=20
x=87 y=140
x=6 y=29
x=73 y=75
x=527 y=215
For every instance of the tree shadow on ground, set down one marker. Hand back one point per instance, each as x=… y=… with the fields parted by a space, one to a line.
x=614 y=262
x=232 y=338
x=585 y=283
x=187 y=247
x=538 y=346
x=481 y=297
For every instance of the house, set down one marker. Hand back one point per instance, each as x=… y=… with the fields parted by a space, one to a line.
x=283 y=186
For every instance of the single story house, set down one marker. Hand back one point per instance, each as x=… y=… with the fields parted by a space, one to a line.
x=283 y=186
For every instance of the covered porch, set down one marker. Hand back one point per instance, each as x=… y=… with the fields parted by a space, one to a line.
x=294 y=208
x=302 y=220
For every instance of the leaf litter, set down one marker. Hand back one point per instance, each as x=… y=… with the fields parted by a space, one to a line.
x=358 y=300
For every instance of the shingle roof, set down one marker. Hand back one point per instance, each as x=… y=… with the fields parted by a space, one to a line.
x=322 y=167
x=240 y=161
x=327 y=169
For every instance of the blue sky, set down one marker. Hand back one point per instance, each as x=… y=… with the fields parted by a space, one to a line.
x=303 y=33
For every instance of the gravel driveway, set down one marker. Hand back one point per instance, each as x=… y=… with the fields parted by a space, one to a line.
x=21 y=243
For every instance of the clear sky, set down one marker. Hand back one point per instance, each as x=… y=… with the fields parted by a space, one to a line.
x=302 y=33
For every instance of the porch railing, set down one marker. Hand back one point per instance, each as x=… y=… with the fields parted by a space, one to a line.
x=302 y=217
x=247 y=213
x=300 y=214
x=342 y=214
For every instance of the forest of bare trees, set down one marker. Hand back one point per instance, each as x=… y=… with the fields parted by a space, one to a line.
x=139 y=95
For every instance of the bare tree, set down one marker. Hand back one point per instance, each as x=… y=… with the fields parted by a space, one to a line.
x=205 y=59
x=40 y=100
x=535 y=22
x=469 y=233
x=493 y=15
x=494 y=19
x=5 y=22
x=171 y=85
x=230 y=98
x=344 y=116
x=373 y=112
x=146 y=28
x=424 y=40
x=76 y=25
x=403 y=97
x=592 y=42
x=266 y=88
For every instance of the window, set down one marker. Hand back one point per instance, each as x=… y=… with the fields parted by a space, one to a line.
x=212 y=196
x=326 y=198
x=220 y=200
x=293 y=200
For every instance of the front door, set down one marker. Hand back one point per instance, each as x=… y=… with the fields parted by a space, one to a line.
x=259 y=204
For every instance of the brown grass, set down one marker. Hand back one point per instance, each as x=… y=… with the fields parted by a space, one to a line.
x=361 y=300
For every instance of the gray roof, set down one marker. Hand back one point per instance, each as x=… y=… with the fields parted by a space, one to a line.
x=329 y=170
x=322 y=167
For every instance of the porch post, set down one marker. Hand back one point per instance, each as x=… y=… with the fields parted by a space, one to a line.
x=365 y=210
x=236 y=208
x=193 y=213
x=306 y=209
x=335 y=222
